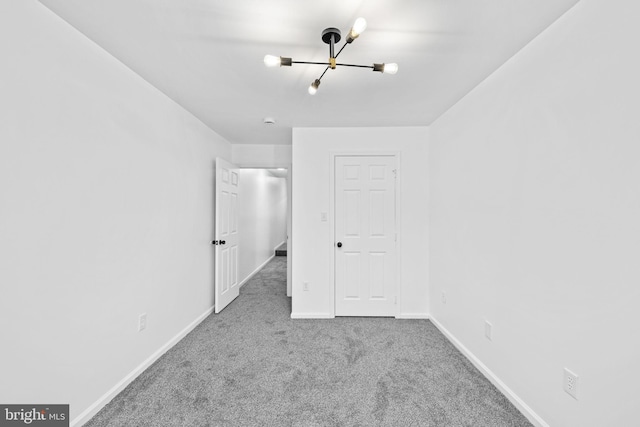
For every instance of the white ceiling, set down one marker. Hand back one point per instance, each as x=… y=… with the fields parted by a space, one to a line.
x=207 y=55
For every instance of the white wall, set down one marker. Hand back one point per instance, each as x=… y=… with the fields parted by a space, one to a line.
x=106 y=201
x=263 y=218
x=261 y=155
x=313 y=240
x=534 y=218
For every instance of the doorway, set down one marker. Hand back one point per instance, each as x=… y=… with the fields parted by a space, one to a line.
x=251 y=225
x=263 y=217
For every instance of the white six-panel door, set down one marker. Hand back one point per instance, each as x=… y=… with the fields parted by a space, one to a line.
x=226 y=234
x=365 y=236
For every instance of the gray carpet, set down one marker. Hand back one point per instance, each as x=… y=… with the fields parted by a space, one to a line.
x=251 y=365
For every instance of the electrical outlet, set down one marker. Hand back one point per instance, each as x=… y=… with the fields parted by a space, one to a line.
x=443 y=297
x=142 y=322
x=305 y=286
x=487 y=329
x=571 y=383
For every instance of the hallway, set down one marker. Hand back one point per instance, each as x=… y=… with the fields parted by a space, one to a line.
x=252 y=365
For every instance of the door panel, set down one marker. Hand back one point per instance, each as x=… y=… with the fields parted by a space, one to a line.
x=226 y=234
x=352 y=262
x=365 y=265
x=377 y=271
x=352 y=213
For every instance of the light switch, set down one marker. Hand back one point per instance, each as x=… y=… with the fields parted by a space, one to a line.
x=323 y=216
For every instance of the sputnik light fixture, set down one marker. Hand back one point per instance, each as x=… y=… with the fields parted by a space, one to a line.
x=331 y=36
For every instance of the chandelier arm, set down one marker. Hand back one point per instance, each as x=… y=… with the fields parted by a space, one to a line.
x=310 y=62
x=323 y=73
x=355 y=65
x=341 y=49
x=328 y=64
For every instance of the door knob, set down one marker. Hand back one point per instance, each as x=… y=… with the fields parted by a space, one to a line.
x=339 y=244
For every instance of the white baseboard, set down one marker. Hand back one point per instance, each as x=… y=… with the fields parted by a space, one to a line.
x=412 y=316
x=331 y=316
x=534 y=418
x=312 y=316
x=88 y=413
x=254 y=272
x=278 y=245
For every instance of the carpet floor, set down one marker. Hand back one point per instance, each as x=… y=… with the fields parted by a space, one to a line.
x=252 y=365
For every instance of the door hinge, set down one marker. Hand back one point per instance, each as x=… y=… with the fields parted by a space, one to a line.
x=395 y=173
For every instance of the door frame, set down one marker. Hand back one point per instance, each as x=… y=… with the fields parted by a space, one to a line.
x=398 y=212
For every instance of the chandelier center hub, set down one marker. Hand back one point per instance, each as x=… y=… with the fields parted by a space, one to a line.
x=328 y=32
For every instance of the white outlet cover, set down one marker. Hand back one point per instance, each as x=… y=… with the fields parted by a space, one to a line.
x=570 y=383
x=142 y=322
x=487 y=329
x=444 y=297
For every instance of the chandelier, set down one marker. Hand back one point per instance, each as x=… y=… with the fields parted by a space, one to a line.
x=331 y=36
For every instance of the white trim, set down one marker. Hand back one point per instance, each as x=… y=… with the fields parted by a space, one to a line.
x=534 y=418
x=312 y=316
x=96 y=406
x=289 y=240
x=260 y=267
x=398 y=221
x=332 y=229
x=413 y=316
x=264 y=165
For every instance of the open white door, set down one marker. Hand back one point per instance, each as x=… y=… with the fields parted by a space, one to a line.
x=365 y=232
x=226 y=238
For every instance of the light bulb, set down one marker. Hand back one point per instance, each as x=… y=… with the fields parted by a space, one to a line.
x=271 y=60
x=314 y=87
x=390 y=68
x=359 y=26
